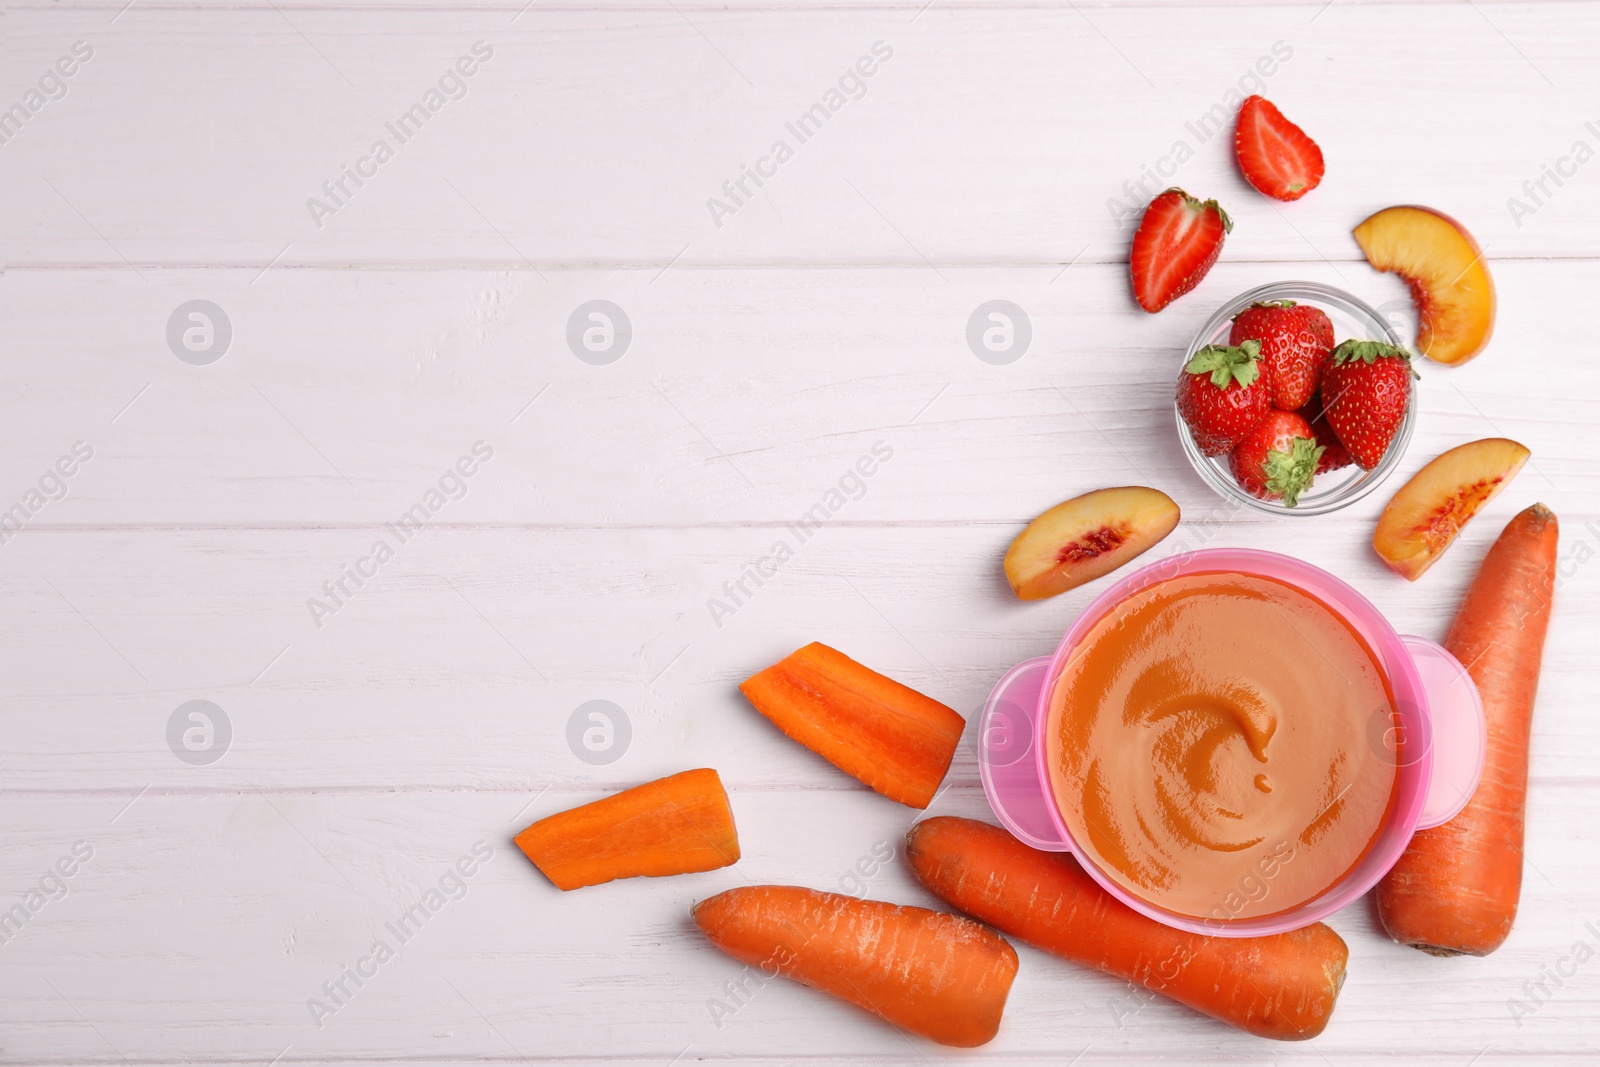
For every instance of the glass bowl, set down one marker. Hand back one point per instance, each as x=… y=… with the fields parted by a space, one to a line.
x=1351 y=318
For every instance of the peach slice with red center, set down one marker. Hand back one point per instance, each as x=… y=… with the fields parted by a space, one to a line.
x=1429 y=511
x=1447 y=274
x=1085 y=537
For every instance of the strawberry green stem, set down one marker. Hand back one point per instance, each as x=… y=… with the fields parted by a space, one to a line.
x=1289 y=473
x=1371 y=352
x=1227 y=363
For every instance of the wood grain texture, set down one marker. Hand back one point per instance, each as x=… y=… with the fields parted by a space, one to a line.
x=458 y=666
x=599 y=137
x=743 y=396
x=430 y=711
x=231 y=910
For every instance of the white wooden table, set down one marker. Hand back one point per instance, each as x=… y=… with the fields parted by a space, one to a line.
x=375 y=340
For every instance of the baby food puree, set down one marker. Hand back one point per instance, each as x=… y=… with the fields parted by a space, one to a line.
x=1210 y=744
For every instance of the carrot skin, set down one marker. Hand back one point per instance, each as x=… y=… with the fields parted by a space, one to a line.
x=934 y=974
x=1456 y=888
x=1282 y=986
x=888 y=735
x=674 y=825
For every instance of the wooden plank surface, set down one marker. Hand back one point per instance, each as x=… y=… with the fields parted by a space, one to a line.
x=375 y=740
x=599 y=137
x=233 y=909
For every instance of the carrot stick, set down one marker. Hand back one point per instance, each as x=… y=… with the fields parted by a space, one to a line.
x=674 y=825
x=1281 y=986
x=888 y=735
x=934 y=974
x=1455 y=890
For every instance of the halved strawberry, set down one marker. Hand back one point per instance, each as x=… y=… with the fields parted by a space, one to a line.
x=1277 y=459
x=1276 y=155
x=1178 y=240
x=1296 y=341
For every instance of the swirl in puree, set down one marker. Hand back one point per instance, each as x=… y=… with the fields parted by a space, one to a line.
x=1209 y=746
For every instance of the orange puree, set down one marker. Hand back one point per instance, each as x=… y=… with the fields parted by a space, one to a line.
x=1211 y=749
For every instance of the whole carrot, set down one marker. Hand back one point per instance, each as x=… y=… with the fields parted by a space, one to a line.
x=934 y=974
x=1455 y=890
x=1282 y=986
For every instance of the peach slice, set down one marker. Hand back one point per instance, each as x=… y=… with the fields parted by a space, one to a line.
x=1447 y=274
x=1085 y=537
x=1430 y=510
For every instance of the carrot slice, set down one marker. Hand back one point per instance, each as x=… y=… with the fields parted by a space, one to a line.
x=1281 y=986
x=934 y=974
x=674 y=825
x=1455 y=890
x=890 y=736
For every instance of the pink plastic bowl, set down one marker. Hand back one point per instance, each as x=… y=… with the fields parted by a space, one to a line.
x=1439 y=718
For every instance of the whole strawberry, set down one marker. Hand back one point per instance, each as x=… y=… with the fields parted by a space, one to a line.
x=1277 y=458
x=1367 y=387
x=1222 y=394
x=1296 y=340
x=1334 y=455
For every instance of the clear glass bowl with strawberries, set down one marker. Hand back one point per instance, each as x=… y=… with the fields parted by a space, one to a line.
x=1295 y=398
